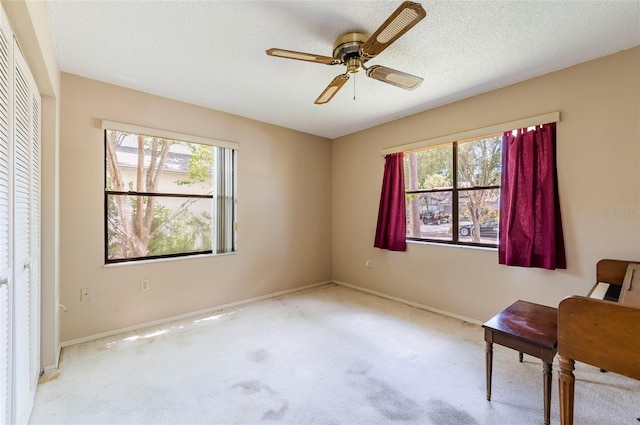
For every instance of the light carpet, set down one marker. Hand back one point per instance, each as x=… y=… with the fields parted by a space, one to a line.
x=328 y=355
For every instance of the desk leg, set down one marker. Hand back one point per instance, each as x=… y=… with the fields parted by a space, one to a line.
x=566 y=380
x=546 y=371
x=489 y=366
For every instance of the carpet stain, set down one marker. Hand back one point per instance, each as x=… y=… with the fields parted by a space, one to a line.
x=256 y=387
x=443 y=413
x=252 y=387
x=274 y=415
x=48 y=377
x=390 y=402
x=258 y=356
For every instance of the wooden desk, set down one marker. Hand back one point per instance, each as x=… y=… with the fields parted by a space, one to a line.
x=601 y=333
x=528 y=328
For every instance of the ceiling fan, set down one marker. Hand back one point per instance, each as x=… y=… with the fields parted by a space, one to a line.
x=354 y=49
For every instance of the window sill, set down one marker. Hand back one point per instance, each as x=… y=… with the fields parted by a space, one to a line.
x=163 y=260
x=453 y=245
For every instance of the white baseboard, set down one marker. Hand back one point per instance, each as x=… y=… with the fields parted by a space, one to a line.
x=55 y=366
x=411 y=303
x=49 y=368
x=186 y=315
x=249 y=300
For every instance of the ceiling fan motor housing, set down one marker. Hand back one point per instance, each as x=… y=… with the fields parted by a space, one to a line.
x=347 y=50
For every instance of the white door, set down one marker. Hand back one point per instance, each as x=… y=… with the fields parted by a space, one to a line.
x=5 y=228
x=26 y=285
x=19 y=231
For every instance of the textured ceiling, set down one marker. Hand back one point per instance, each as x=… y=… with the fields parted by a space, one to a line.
x=212 y=53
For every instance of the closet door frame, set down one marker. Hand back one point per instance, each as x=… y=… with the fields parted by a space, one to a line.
x=20 y=243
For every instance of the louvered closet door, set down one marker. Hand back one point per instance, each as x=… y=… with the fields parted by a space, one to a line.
x=34 y=235
x=26 y=287
x=5 y=233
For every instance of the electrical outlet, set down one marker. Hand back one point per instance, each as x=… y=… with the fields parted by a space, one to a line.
x=144 y=285
x=85 y=294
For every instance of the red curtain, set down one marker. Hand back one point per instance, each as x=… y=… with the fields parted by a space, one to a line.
x=391 y=230
x=530 y=223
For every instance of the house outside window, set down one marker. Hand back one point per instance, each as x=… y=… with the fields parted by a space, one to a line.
x=453 y=192
x=166 y=197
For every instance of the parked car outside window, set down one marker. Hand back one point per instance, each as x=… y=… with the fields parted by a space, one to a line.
x=434 y=217
x=488 y=229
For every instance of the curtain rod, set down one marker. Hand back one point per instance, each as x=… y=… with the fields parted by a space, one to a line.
x=478 y=132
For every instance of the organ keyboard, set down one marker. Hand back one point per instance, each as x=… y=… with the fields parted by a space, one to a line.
x=605 y=291
x=599 y=332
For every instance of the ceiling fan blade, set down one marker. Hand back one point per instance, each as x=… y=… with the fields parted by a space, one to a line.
x=394 y=77
x=332 y=89
x=400 y=21
x=290 y=54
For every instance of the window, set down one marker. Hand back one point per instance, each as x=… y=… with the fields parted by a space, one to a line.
x=453 y=192
x=166 y=197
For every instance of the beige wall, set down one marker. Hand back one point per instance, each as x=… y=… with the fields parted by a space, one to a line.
x=284 y=196
x=598 y=154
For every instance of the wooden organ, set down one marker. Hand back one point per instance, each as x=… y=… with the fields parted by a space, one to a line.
x=600 y=331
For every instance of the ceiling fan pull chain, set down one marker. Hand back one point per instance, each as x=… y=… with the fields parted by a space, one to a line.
x=354 y=87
